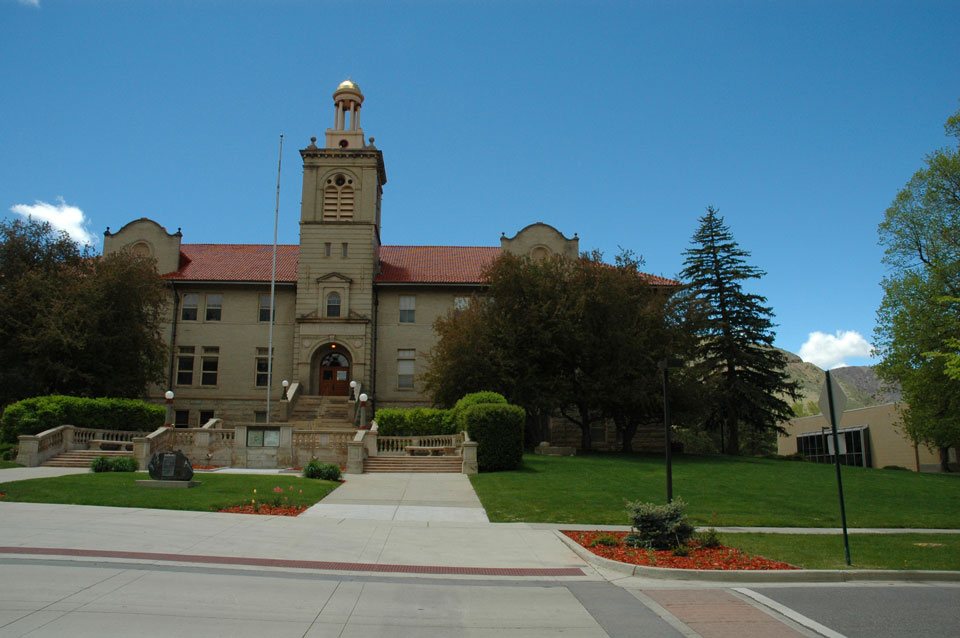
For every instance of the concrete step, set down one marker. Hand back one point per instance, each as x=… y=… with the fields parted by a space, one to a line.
x=452 y=464
x=81 y=458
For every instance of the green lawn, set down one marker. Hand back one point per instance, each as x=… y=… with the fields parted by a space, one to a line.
x=592 y=489
x=117 y=489
x=8 y=464
x=867 y=551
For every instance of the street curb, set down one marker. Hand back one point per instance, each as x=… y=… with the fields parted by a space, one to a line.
x=763 y=576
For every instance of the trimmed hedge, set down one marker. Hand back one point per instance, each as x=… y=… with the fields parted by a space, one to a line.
x=37 y=414
x=498 y=430
x=474 y=398
x=414 y=422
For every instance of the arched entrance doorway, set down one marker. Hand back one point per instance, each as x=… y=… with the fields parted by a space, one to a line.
x=331 y=371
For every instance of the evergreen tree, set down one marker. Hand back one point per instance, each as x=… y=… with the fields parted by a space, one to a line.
x=744 y=377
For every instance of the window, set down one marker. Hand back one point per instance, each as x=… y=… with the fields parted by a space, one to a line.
x=326 y=249
x=460 y=304
x=408 y=306
x=260 y=416
x=405 y=361
x=214 y=307
x=185 y=365
x=333 y=304
x=263 y=363
x=205 y=415
x=265 y=308
x=344 y=249
x=181 y=418
x=209 y=363
x=263 y=437
x=854 y=443
x=188 y=312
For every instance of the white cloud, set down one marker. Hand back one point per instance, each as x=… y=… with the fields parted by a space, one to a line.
x=30 y=3
x=61 y=216
x=829 y=351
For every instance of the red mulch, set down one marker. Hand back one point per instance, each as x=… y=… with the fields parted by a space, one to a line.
x=721 y=557
x=267 y=510
x=207 y=467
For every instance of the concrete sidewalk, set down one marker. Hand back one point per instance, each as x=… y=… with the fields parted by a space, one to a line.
x=402 y=497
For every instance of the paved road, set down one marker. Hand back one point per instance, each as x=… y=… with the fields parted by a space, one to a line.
x=100 y=571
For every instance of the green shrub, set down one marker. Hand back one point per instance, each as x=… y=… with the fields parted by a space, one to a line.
x=681 y=550
x=37 y=414
x=8 y=451
x=895 y=467
x=660 y=526
x=100 y=464
x=708 y=538
x=474 y=398
x=322 y=471
x=498 y=431
x=414 y=422
x=605 y=539
x=123 y=464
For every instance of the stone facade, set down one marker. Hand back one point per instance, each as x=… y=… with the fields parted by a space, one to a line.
x=347 y=307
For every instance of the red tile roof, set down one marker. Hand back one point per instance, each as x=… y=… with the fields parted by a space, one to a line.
x=435 y=264
x=399 y=264
x=235 y=262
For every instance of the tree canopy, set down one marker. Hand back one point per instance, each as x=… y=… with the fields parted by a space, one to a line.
x=73 y=323
x=743 y=378
x=576 y=336
x=918 y=333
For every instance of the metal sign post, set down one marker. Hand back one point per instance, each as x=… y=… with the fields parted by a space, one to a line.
x=664 y=364
x=836 y=400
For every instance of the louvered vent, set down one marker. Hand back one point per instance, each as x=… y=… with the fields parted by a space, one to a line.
x=338 y=199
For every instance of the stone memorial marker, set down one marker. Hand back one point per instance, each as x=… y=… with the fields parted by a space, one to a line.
x=170 y=469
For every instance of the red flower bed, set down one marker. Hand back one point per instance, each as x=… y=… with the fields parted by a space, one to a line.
x=266 y=509
x=721 y=557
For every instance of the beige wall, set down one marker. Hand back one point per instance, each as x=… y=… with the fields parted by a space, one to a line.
x=888 y=446
x=147 y=237
x=238 y=334
x=431 y=302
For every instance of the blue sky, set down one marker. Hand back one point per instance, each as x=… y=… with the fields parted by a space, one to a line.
x=619 y=122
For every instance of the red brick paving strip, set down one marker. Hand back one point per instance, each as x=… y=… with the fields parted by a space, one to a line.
x=715 y=613
x=301 y=564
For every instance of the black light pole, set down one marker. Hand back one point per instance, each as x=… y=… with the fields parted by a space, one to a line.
x=663 y=365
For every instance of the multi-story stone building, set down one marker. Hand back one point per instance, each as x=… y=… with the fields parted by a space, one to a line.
x=348 y=308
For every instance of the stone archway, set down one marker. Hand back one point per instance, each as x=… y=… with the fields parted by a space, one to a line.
x=330 y=371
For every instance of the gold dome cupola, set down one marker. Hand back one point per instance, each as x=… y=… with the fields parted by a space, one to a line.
x=346 y=132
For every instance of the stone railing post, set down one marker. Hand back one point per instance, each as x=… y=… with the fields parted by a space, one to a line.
x=141 y=451
x=470 y=458
x=355 y=453
x=68 y=437
x=370 y=440
x=28 y=453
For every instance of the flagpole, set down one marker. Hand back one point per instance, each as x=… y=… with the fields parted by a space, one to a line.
x=273 y=282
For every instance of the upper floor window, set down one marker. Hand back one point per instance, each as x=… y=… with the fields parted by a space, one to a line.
x=338 y=198
x=344 y=246
x=460 y=304
x=209 y=365
x=333 y=304
x=265 y=308
x=185 y=365
x=405 y=362
x=190 y=306
x=263 y=366
x=408 y=307
x=214 y=307
x=326 y=249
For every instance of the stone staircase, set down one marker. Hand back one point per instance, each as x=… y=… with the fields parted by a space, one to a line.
x=81 y=458
x=312 y=412
x=443 y=464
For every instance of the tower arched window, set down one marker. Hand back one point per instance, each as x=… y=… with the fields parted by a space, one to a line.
x=333 y=304
x=338 y=198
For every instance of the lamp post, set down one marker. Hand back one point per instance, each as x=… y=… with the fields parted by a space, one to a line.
x=168 y=395
x=363 y=410
x=353 y=389
x=285 y=384
x=664 y=365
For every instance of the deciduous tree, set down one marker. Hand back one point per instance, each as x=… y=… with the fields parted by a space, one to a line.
x=918 y=334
